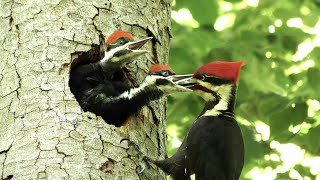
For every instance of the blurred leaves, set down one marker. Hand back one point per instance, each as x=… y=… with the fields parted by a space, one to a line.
x=279 y=78
x=204 y=11
x=313 y=78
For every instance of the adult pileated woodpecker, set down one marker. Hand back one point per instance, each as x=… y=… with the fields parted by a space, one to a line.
x=213 y=148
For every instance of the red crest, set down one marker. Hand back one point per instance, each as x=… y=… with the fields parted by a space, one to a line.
x=159 y=67
x=220 y=69
x=116 y=35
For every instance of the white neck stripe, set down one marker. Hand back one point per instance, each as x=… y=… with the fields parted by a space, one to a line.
x=224 y=92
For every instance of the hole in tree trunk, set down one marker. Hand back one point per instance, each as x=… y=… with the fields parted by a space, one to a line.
x=108 y=166
x=89 y=85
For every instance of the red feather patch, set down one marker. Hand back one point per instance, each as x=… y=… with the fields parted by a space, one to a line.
x=220 y=69
x=118 y=34
x=159 y=67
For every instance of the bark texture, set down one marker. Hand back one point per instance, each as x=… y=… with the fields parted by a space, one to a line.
x=44 y=133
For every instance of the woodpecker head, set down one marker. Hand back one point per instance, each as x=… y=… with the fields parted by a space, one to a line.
x=165 y=79
x=215 y=80
x=161 y=70
x=121 y=47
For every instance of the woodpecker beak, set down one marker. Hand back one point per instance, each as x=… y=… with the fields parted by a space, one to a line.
x=127 y=52
x=185 y=81
x=181 y=82
x=135 y=46
x=132 y=49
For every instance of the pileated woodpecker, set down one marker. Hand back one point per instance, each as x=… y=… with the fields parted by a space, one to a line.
x=115 y=101
x=92 y=79
x=97 y=91
x=213 y=148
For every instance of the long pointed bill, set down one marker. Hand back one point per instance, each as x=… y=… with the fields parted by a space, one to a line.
x=135 y=46
x=185 y=81
x=127 y=52
x=180 y=81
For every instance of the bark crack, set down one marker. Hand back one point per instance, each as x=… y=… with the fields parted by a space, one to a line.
x=154 y=48
x=107 y=8
x=19 y=82
x=5 y=158
x=94 y=17
x=13 y=27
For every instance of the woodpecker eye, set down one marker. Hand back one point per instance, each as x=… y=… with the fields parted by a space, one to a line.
x=165 y=73
x=203 y=77
x=121 y=42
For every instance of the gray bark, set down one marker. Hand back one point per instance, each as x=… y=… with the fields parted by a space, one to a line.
x=44 y=134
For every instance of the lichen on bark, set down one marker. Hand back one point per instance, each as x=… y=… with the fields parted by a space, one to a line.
x=43 y=131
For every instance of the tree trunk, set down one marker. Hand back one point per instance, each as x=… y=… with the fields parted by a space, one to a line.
x=44 y=133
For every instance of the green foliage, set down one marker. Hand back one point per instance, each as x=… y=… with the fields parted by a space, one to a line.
x=204 y=11
x=279 y=86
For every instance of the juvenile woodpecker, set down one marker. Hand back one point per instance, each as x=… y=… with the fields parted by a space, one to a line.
x=91 y=78
x=213 y=148
x=115 y=101
x=97 y=91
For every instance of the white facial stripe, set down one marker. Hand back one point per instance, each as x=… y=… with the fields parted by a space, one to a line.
x=205 y=95
x=205 y=84
x=134 y=91
x=109 y=54
x=224 y=91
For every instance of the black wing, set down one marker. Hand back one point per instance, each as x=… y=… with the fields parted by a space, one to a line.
x=215 y=149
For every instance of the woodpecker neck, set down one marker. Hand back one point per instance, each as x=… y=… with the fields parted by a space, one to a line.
x=221 y=101
x=110 y=64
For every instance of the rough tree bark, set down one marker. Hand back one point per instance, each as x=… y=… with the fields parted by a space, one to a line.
x=44 y=133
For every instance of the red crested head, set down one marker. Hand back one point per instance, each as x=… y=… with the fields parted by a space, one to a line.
x=116 y=35
x=159 y=67
x=223 y=70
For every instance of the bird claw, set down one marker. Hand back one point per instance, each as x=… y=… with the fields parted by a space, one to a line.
x=143 y=167
x=142 y=158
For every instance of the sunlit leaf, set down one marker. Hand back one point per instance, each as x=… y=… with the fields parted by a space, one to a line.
x=204 y=11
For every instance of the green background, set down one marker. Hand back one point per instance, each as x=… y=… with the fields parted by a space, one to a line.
x=279 y=91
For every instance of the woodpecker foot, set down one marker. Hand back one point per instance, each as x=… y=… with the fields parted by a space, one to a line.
x=134 y=150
